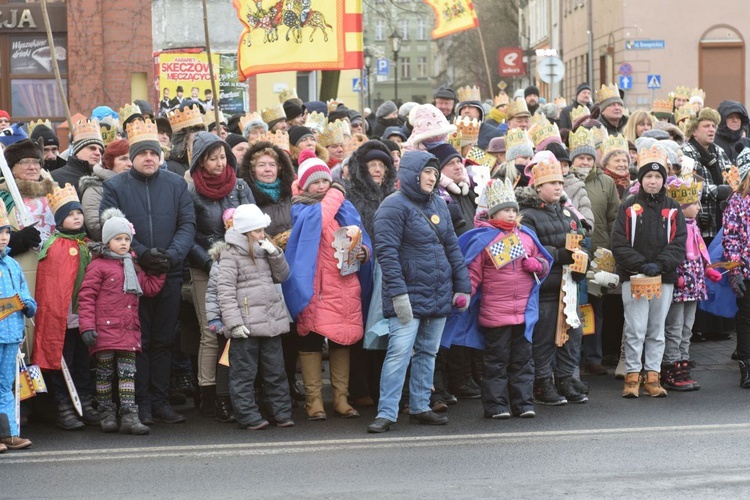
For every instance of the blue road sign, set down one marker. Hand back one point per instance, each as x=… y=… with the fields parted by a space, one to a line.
x=626 y=82
x=356 y=84
x=383 y=67
x=653 y=81
x=644 y=44
x=626 y=69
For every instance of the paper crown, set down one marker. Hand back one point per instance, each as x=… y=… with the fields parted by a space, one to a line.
x=61 y=196
x=332 y=104
x=685 y=193
x=662 y=106
x=287 y=94
x=560 y=102
x=481 y=157
x=682 y=92
x=604 y=260
x=357 y=140
x=546 y=171
x=468 y=94
x=128 y=110
x=538 y=120
x=542 y=132
x=607 y=92
x=469 y=129
x=210 y=117
x=645 y=286
x=109 y=133
x=685 y=112
x=454 y=139
x=187 y=117
x=317 y=122
x=698 y=93
x=654 y=154
x=273 y=113
x=4 y=220
x=501 y=99
x=517 y=107
x=614 y=143
x=346 y=129
x=580 y=138
x=516 y=137
x=579 y=112
x=34 y=124
x=499 y=192
x=280 y=138
x=87 y=130
x=332 y=134
x=141 y=130
x=732 y=177
x=600 y=133
x=249 y=118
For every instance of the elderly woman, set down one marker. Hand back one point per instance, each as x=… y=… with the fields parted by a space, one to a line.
x=424 y=277
x=617 y=167
x=116 y=160
x=214 y=187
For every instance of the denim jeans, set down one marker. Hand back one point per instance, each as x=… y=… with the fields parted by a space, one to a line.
x=644 y=328
x=422 y=336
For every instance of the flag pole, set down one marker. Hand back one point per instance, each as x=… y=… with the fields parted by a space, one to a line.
x=55 y=67
x=215 y=94
x=484 y=55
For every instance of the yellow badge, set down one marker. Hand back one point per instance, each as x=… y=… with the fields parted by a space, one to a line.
x=73 y=252
x=567 y=214
x=435 y=219
x=636 y=206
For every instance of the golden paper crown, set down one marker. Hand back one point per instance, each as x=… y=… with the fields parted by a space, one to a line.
x=332 y=104
x=34 y=124
x=210 y=117
x=273 y=113
x=600 y=133
x=128 y=110
x=454 y=139
x=607 y=92
x=280 y=138
x=684 y=113
x=109 y=134
x=645 y=286
x=469 y=129
x=357 y=140
x=481 y=157
x=61 y=196
x=517 y=107
x=662 y=106
x=685 y=193
x=614 y=143
x=182 y=119
x=141 y=130
x=538 y=120
x=501 y=99
x=581 y=138
x=579 y=112
x=346 y=129
x=468 y=94
x=87 y=130
x=732 y=177
x=4 y=220
x=249 y=118
x=604 y=260
x=317 y=122
x=542 y=133
x=287 y=94
x=560 y=102
x=516 y=137
x=654 y=154
x=547 y=171
x=698 y=93
x=682 y=92
x=499 y=192
x=332 y=134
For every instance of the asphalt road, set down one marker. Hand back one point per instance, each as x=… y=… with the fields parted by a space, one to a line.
x=689 y=445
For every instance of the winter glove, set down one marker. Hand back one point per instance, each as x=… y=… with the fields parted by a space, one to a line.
x=155 y=261
x=89 y=337
x=704 y=221
x=563 y=256
x=578 y=277
x=215 y=326
x=713 y=275
x=238 y=332
x=532 y=265
x=23 y=240
x=461 y=301
x=737 y=282
x=269 y=247
x=651 y=268
x=402 y=306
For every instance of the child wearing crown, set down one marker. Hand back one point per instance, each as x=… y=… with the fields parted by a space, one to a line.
x=12 y=288
x=58 y=346
x=109 y=322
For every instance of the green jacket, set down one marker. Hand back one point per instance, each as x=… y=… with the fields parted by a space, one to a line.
x=604 y=203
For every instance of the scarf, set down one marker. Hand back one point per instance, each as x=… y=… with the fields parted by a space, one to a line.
x=501 y=224
x=131 y=284
x=214 y=187
x=621 y=181
x=306 y=198
x=84 y=258
x=273 y=190
x=710 y=161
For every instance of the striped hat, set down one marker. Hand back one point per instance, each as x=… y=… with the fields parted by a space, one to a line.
x=311 y=169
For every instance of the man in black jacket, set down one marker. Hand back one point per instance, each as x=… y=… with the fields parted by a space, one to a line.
x=734 y=121
x=158 y=204
x=87 y=151
x=611 y=109
x=583 y=98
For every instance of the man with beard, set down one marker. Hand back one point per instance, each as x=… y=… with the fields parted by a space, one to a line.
x=46 y=138
x=531 y=95
x=583 y=98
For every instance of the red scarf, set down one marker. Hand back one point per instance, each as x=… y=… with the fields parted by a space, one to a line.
x=501 y=224
x=622 y=181
x=214 y=187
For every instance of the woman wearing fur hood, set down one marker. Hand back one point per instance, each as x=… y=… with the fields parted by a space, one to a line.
x=371 y=179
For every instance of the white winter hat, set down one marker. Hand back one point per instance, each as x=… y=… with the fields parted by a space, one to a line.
x=249 y=218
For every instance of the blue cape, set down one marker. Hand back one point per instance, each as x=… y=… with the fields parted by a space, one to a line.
x=721 y=299
x=463 y=328
x=302 y=255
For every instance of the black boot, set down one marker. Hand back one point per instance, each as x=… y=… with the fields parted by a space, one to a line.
x=208 y=401
x=130 y=423
x=109 y=418
x=90 y=415
x=567 y=390
x=294 y=390
x=68 y=419
x=745 y=374
x=224 y=412
x=546 y=394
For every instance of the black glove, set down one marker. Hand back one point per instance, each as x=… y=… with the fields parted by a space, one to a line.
x=24 y=240
x=737 y=282
x=564 y=256
x=578 y=277
x=704 y=221
x=154 y=261
x=651 y=269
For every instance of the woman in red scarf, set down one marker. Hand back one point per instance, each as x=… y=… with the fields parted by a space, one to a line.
x=215 y=188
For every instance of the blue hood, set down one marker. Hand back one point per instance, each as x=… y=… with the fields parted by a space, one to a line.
x=411 y=166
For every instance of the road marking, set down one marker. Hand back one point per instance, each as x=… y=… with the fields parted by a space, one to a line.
x=372 y=442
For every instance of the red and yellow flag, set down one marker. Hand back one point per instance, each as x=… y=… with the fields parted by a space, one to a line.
x=452 y=16
x=299 y=35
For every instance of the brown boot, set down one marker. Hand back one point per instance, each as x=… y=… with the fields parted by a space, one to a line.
x=311 y=363
x=338 y=359
x=652 y=386
x=15 y=442
x=632 y=383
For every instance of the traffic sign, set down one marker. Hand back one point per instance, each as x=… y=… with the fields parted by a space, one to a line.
x=358 y=84
x=644 y=44
x=502 y=85
x=550 y=69
x=626 y=69
x=383 y=67
x=653 y=81
x=626 y=82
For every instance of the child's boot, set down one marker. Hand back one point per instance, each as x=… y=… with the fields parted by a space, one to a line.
x=108 y=417
x=90 y=415
x=339 y=364
x=129 y=422
x=652 y=386
x=312 y=377
x=672 y=377
x=632 y=385
x=687 y=376
x=224 y=411
x=67 y=418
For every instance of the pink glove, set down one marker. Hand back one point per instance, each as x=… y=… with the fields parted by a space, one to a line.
x=680 y=282
x=532 y=265
x=713 y=275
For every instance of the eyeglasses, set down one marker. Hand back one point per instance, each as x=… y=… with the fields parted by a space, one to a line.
x=27 y=162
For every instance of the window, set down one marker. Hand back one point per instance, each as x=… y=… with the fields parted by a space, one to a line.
x=405 y=69
x=379 y=25
x=421 y=67
x=405 y=29
x=421 y=29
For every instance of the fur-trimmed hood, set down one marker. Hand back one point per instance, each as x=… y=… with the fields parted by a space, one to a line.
x=33 y=189
x=286 y=173
x=527 y=197
x=100 y=175
x=97 y=248
x=216 y=249
x=362 y=192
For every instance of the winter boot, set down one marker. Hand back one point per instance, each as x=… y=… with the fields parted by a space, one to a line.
x=632 y=385
x=546 y=394
x=567 y=390
x=129 y=422
x=745 y=374
x=109 y=417
x=90 y=415
x=67 y=418
x=672 y=377
x=208 y=401
x=311 y=363
x=338 y=360
x=224 y=411
x=652 y=387
x=686 y=375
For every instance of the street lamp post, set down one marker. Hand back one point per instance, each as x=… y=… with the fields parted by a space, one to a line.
x=395 y=46
x=368 y=62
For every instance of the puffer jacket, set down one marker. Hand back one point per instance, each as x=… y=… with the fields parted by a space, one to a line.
x=213 y=311
x=505 y=291
x=412 y=257
x=660 y=235
x=91 y=188
x=104 y=307
x=725 y=138
x=246 y=288
x=13 y=282
x=362 y=192
x=71 y=173
x=737 y=233
x=575 y=189
x=605 y=201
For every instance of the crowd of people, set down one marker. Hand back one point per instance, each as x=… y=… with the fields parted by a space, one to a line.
x=465 y=249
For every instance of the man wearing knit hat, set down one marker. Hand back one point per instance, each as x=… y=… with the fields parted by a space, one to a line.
x=531 y=95
x=611 y=109
x=46 y=137
x=86 y=152
x=386 y=116
x=295 y=112
x=583 y=98
x=445 y=101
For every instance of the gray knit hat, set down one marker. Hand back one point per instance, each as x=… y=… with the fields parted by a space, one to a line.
x=115 y=223
x=523 y=149
x=385 y=109
x=582 y=150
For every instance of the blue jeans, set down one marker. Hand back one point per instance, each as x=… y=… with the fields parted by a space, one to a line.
x=423 y=337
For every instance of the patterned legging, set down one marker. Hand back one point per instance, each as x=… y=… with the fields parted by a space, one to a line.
x=105 y=370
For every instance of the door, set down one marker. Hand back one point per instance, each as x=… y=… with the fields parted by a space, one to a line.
x=722 y=66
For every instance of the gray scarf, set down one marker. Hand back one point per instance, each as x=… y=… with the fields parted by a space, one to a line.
x=131 y=284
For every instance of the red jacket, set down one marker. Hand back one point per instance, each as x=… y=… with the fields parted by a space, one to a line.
x=103 y=306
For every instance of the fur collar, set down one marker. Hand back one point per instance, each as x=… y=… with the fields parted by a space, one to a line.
x=33 y=189
x=215 y=251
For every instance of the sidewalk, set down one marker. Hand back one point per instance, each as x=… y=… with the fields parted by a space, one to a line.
x=714 y=355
